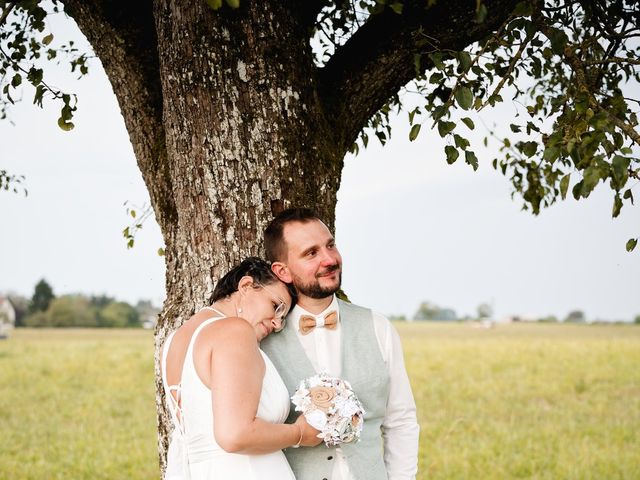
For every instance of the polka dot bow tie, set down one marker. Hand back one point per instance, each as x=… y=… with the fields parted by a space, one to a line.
x=309 y=322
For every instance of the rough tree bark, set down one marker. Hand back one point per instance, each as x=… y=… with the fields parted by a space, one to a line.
x=231 y=121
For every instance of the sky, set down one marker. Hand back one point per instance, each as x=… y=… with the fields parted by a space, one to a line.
x=410 y=227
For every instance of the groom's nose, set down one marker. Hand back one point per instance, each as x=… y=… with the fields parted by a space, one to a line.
x=329 y=257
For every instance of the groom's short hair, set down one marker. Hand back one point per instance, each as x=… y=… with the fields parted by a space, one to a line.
x=274 y=243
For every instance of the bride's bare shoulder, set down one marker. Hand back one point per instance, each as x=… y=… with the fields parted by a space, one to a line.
x=229 y=328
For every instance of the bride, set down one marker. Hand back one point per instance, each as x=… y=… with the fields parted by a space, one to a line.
x=226 y=400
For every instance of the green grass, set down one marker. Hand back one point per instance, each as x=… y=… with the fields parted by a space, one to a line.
x=516 y=401
x=77 y=404
x=526 y=401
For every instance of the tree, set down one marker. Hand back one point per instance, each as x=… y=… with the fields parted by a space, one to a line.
x=72 y=311
x=100 y=301
x=234 y=117
x=429 y=311
x=42 y=297
x=576 y=316
x=484 y=311
x=120 y=315
x=637 y=320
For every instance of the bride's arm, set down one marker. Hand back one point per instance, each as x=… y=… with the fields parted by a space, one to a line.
x=237 y=370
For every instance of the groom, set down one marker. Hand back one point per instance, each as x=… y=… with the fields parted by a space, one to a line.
x=347 y=341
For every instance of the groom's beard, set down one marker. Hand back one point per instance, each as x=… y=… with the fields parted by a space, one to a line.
x=314 y=289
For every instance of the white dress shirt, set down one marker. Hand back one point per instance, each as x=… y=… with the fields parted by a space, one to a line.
x=400 y=428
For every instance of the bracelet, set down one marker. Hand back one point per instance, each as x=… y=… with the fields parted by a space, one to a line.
x=299 y=441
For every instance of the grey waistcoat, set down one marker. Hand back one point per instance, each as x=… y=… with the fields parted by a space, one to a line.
x=364 y=368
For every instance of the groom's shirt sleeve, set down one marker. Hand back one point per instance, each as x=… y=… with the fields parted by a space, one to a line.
x=400 y=429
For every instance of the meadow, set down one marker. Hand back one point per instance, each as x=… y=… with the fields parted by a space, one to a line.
x=541 y=401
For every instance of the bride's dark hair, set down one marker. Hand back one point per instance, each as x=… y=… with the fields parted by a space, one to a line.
x=253 y=267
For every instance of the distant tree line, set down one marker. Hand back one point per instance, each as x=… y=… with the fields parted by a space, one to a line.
x=428 y=311
x=44 y=309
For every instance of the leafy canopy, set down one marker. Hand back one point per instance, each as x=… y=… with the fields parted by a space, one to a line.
x=570 y=67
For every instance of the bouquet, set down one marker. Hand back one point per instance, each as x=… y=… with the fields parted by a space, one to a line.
x=331 y=406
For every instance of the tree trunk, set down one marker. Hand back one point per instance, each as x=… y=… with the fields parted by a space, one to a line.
x=241 y=130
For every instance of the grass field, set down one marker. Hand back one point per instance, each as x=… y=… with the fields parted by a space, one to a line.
x=516 y=401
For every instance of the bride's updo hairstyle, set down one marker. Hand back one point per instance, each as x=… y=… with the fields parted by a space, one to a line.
x=254 y=267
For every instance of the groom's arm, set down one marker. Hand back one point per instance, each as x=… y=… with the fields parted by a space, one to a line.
x=400 y=429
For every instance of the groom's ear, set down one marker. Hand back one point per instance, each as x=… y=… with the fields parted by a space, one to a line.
x=282 y=271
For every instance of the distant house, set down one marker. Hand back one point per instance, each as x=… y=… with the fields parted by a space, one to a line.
x=7 y=317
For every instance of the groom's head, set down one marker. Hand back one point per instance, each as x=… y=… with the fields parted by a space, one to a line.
x=302 y=251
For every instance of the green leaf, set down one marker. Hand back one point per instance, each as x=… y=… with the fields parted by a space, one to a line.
x=514 y=128
x=551 y=154
x=64 y=125
x=452 y=154
x=465 y=60
x=471 y=159
x=161 y=252
x=397 y=7
x=631 y=244
x=564 y=185
x=445 y=127
x=620 y=171
x=38 y=96
x=617 y=206
x=523 y=9
x=415 y=130
x=468 y=122
x=590 y=179
x=576 y=190
x=464 y=97
x=214 y=4
x=48 y=39
x=436 y=58
x=529 y=148
x=460 y=142
x=559 y=40
x=35 y=76
x=481 y=12
x=132 y=213
x=628 y=195
x=16 y=80
x=417 y=58
x=233 y=3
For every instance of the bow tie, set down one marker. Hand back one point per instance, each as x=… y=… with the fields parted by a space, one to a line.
x=308 y=322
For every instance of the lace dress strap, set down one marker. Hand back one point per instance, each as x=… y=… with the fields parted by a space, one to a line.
x=177 y=457
x=174 y=403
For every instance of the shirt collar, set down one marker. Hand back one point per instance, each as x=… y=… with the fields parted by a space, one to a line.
x=297 y=311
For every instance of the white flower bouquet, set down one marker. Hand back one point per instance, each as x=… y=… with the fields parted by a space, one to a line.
x=330 y=405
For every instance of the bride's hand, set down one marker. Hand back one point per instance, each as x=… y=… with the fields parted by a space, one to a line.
x=309 y=434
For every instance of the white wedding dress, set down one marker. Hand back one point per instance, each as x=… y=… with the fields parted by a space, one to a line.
x=193 y=451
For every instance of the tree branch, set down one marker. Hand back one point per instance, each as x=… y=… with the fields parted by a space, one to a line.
x=632 y=61
x=6 y=12
x=578 y=67
x=379 y=58
x=123 y=36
